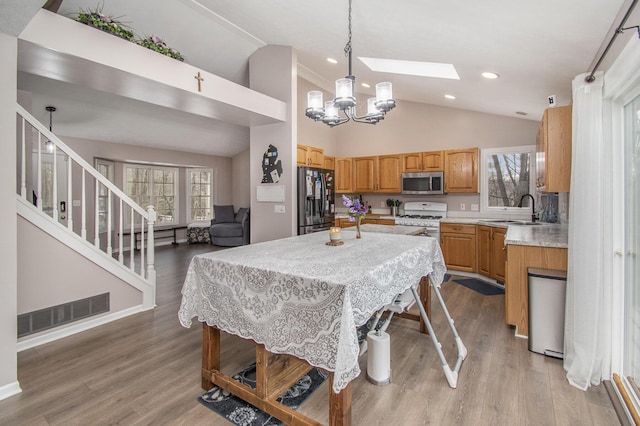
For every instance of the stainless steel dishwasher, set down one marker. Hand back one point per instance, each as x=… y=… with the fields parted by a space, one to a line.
x=547 y=294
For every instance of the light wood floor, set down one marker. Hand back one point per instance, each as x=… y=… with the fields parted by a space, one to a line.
x=144 y=370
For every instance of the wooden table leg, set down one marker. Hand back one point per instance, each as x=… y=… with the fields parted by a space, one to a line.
x=210 y=353
x=339 y=405
x=425 y=298
x=424 y=288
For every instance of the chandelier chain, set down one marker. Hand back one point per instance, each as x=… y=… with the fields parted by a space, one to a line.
x=347 y=47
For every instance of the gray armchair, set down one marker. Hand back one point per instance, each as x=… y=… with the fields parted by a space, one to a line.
x=229 y=229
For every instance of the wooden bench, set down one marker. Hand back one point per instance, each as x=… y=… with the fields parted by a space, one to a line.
x=161 y=232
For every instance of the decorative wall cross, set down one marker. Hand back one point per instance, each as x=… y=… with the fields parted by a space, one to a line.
x=200 y=80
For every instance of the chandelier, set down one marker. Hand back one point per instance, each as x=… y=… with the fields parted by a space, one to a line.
x=345 y=101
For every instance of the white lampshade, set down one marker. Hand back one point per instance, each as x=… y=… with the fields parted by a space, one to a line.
x=330 y=111
x=314 y=99
x=384 y=91
x=344 y=88
x=371 y=107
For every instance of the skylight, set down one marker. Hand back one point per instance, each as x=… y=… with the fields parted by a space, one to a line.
x=422 y=69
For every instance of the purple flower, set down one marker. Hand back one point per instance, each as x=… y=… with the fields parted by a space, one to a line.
x=354 y=208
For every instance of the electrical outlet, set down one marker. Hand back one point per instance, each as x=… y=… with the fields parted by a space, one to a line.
x=278 y=208
x=463 y=206
x=475 y=207
x=383 y=204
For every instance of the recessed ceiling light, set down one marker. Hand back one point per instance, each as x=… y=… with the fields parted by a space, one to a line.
x=449 y=96
x=521 y=113
x=490 y=75
x=332 y=61
x=422 y=69
x=366 y=85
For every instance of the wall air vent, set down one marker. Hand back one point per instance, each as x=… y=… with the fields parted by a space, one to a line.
x=54 y=316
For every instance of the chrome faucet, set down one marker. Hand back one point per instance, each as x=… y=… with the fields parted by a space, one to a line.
x=533 y=206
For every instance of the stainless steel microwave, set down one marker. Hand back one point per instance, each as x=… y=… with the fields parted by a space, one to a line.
x=425 y=183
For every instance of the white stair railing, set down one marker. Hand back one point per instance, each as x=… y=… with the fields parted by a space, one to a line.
x=55 y=179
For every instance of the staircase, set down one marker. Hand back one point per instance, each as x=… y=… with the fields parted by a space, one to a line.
x=63 y=195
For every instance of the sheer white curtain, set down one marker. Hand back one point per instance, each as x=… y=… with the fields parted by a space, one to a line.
x=587 y=319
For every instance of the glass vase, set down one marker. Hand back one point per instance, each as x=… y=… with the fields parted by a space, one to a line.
x=358 y=227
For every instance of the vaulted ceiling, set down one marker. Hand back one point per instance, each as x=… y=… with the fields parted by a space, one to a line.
x=537 y=48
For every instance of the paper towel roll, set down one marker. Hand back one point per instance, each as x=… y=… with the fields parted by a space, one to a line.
x=379 y=358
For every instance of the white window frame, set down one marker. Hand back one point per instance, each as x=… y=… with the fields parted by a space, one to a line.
x=176 y=189
x=485 y=154
x=189 y=195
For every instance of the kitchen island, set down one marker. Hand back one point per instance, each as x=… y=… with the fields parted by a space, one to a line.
x=300 y=300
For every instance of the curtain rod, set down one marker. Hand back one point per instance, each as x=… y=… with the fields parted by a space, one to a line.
x=591 y=77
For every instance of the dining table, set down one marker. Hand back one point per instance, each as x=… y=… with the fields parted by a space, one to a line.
x=301 y=299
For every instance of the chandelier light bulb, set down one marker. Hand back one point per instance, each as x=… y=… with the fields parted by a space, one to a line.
x=384 y=91
x=344 y=88
x=330 y=110
x=314 y=99
x=371 y=107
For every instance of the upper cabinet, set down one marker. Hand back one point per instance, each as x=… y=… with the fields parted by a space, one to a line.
x=389 y=174
x=310 y=156
x=553 y=150
x=378 y=174
x=461 y=170
x=329 y=162
x=432 y=161
x=343 y=175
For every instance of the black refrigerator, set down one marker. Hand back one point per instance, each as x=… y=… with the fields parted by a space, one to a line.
x=316 y=209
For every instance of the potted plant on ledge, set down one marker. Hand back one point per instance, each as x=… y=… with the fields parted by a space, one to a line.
x=156 y=44
x=97 y=19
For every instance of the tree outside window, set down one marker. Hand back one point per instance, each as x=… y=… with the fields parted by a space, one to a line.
x=200 y=195
x=507 y=176
x=156 y=186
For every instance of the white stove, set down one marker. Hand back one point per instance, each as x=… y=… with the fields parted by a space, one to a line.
x=424 y=214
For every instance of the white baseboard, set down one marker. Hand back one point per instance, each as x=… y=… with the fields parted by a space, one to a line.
x=48 y=336
x=9 y=390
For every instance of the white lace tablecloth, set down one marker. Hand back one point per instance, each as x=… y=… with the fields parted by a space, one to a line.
x=301 y=297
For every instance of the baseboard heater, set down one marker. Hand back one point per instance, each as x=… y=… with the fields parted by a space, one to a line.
x=55 y=316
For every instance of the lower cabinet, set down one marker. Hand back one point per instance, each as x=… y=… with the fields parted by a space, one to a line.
x=458 y=243
x=491 y=252
x=519 y=260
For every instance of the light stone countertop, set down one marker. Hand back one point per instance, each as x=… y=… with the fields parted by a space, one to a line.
x=548 y=235
x=544 y=235
x=386 y=229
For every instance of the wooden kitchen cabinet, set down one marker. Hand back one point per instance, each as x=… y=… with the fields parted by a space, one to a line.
x=553 y=150
x=389 y=174
x=461 y=170
x=377 y=174
x=519 y=259
x=365 y=171
x=414 y=162
x=491 y=252
x=343 y=175
x=310 y=156
x=458 y=244
x=329 y=162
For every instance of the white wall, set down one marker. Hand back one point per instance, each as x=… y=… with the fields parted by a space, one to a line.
x=241 y=190
x=8 y=256
x=273 y=72
x=50 y=273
